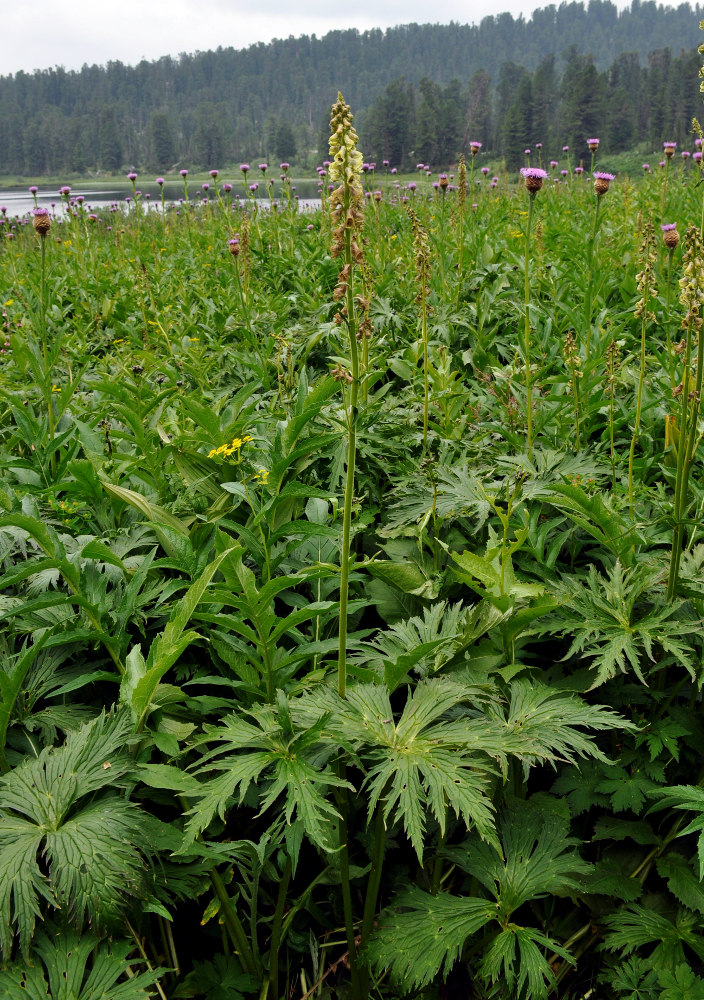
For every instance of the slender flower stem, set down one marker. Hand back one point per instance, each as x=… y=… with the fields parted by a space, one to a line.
x=590 y=285
x=526 y=329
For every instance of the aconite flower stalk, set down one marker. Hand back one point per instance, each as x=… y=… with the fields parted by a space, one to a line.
x=533 y=177
x=671 y=239
x=346 y=210
x=421 y=253
x=645 y=280
x=688 y=391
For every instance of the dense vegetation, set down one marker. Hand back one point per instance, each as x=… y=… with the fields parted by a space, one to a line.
x=510 y=81
x=351 y=593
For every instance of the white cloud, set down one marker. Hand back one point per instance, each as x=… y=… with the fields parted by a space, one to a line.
x=76 y=32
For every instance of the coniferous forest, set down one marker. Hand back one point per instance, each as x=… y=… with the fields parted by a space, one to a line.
x=419 y=90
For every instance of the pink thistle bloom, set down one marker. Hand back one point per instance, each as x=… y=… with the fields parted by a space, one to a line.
x=538 y=145
x=527 y=152
x=564 y=173
x=579 y=170
x=646 y=167
x=206 y=187
x=661 y=163
x=227 y=187
x=244 y=167
x=33 y=189
x=65 y=191
x=132 y=176
x=553 y=164
x=412 y=186
x=184 y=173
x=533 y=177
x=394 y=170
x=593 y=144
x=474 y=147
x=160 y=181
x=697 y=156
x=565 y=149
x=668 y=227
x=385 y=163
x=485 y=170
x=263 y=167
x=685 y=154
x=214 y=174
x=284 y=166
x=253 y=187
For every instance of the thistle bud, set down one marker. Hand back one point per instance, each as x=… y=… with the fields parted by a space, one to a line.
x=533 y=177
x=670 y=236
x=41 y=221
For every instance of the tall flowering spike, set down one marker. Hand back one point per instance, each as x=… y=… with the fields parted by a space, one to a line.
x=345 y=171
x=645 y=278
x=421 y=254
x=692 y=284
x=462 y=181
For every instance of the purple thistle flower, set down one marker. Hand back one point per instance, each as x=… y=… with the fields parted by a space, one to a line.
x=485 y=170
x=474 y=147
x=697 y=156
x=565 y=149
x=564 y=173
x=412 y=186
x=385 y=163
x=579 y=170
x=420 y=166
x=184 y=173
x=263 y=167
x=284 y=166
x=394 y=170
x=668 y=227
x=527 y=152
x=533 y=177
x=33 y=189
x=553 y=164
x=538 y=145
x=214 y=174
x=244 y=167
x=65 y=191
x=206 y=187
x=160 y=181
x=661 y=163
x=227 y=187
x=685 y=154
x=253 y=187
x=132 y=176
x=593 y=144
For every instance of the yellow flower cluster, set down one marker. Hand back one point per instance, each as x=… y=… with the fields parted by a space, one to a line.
x=225 y=450
x=261 y=476
x=346 y=159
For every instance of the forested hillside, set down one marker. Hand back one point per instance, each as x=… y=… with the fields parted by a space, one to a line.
x=419 y=90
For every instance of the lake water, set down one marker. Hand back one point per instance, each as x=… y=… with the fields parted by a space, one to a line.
x=19 y=202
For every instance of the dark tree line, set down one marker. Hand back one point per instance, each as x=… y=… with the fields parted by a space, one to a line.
x=624 y=106
x=630 y=73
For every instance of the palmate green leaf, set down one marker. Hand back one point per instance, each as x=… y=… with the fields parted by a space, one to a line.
x=515 y=958
x=281 y=759
x=685 y=797
x=425 y=935
x=76 y=967
x=84 y=855
x=681 y=881
x=420 y=763
x=615 y=621
x=538 y=856
x=633 y=926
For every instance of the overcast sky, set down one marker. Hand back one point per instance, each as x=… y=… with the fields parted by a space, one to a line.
x=70 y=33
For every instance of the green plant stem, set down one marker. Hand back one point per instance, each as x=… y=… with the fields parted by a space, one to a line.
x=349 y=478
x=668 y=335
x=639 y=406
x=233 y=925
x=426 y=379
x=590 y=285
x=680 y=487
x=276 y=930
x=374 y=875
x=526 y=329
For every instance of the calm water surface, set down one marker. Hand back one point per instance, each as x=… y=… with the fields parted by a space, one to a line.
x=18 y=201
